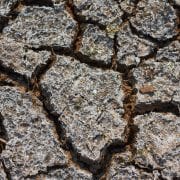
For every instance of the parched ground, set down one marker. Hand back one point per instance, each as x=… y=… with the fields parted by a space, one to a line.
x=89 y=89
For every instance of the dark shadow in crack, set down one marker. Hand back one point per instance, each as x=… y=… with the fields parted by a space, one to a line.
x=98 y=168
x=162 y=107
x=48 y=3
x=21 y=79
x=3 y=134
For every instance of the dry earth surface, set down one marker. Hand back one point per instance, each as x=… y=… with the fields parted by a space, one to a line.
x=89 y=89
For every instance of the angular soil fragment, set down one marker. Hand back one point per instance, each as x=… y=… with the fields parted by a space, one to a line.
x=69 y=173
x=169 y=53
x=130 y=47
x=96 y=45
x=43 y=26
x=6 y=6
x=17 y=57
x=121 y=168
x=2 y=173
x=157 y=83
x=158 y=143
x=32 y=144
x=90 y=104
x=176 y=2
x=105 y=12
x=127 y=5
x=156 y=19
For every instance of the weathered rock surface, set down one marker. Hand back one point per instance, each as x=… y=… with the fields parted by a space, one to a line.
x=43 y=26
x=105 y=12
x=32 y=142
x=90 y=104
x=121 y=168
x=156 y=82
x=6 y=6
x=130 y=47
x=17 y=57
x=70 y=173
x=156 y=19
x=96 y=45
x=128 y=6
x=177 y=2
x=2 y=173
x=79 y=121
x=158 y=143
x=169 y=53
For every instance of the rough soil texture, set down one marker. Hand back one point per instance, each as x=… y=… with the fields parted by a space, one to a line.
x=89 y=89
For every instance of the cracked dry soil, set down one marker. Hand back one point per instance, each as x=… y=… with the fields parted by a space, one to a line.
x=89 y=89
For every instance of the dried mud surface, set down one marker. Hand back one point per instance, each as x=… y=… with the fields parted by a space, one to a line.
x=89 y=89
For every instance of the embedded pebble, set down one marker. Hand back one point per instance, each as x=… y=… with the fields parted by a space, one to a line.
x=157 y=83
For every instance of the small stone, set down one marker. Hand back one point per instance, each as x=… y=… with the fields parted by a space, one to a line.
x=32 y=144
x=43 y=26
x=157 y=143
x=156 y=19
x=157 y=82
x=17 y=57
x=2 y=173
x=145 y=89
x=90 y=104
x=130 y=47
x=122 y=168
x=96 y=45
x=71 y=172
x=104 y=12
